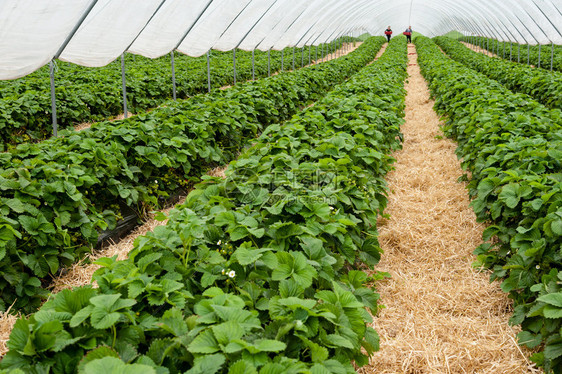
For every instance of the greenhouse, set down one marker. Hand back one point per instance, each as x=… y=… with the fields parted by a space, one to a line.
x=275 y=186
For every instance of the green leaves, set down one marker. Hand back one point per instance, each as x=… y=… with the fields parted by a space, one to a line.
x=112 y=365
x=512 y=194
x=61 y=193
x=293 y=265
x=104 y=311
x=247 y=255
x=232 y=285
x=204 y=343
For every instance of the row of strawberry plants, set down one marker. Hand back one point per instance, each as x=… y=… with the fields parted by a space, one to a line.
x=512 y=147
x=93 y=94
x=56 y=195
x=542 y=85
x=522 y=53
x=253 y=272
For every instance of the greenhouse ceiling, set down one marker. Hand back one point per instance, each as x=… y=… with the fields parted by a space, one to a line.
x=96 y=32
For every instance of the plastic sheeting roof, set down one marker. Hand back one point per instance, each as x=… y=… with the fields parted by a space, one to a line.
x=96 y=32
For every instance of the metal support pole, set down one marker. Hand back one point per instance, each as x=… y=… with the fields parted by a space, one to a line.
x=253 y=66
x=282 y=60
x=518 y=53
x=539 y=55
x=269 y=62
x=209 y=69
x=293 y=58
x=528 y=54
x=234 y=64
x=322 y=52
x=310 y=58
x=173 y=76
x=552 y=56
x=510 y=51
x=125 y=112
x=53 y=100
x=316 y=54
x=503 y=55
x=302 y=57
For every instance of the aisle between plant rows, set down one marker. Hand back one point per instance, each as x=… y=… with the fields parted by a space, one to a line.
x=441 y=315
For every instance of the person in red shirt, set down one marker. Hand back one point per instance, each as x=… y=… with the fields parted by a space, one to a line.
x=388 y=33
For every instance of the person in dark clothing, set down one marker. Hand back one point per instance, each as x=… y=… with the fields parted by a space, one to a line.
x=388 y=33
x=408 y=34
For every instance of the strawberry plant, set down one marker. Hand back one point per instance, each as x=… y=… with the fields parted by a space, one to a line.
x=526 y=52
x=254 y=273
x=93 y=94
x=543 y=85
x=57 y=195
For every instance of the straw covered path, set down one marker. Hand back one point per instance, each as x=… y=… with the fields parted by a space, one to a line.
x=476 y=48
x=441 y=316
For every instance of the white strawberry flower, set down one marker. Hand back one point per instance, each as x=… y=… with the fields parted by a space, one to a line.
x=232 y=274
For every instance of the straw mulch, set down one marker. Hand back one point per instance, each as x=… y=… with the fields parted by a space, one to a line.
x=7 y=321
x=441 y=316
x=345 y=50
x=483 y=51
x=87 y=125
x=379 y=53
x=476 y=48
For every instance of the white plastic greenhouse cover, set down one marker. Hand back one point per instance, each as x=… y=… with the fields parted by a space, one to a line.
x=96 y=32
